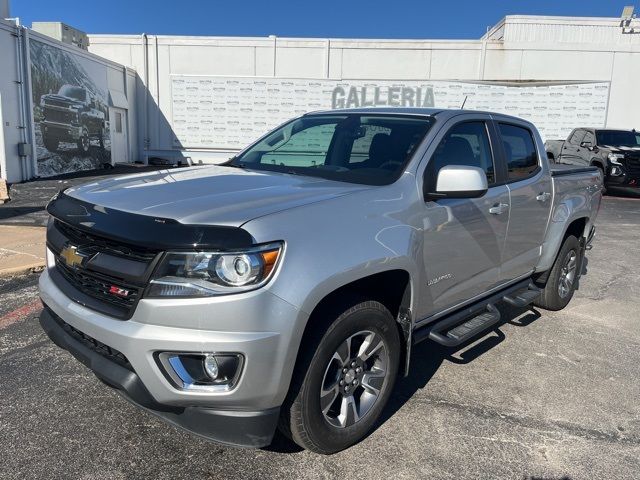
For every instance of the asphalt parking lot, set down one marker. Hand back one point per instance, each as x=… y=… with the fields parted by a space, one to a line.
x=547 y=395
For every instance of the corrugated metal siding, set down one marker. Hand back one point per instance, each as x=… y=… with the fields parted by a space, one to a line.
x=568 y=33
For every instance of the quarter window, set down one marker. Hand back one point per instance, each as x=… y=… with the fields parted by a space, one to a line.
x=465 y=144
x=520 y=151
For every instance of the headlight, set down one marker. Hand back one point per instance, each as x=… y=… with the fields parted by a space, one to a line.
x=206 y=274
x=615 y=158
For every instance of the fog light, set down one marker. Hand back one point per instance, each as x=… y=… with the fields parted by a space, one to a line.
x=616 y=172
x=211 y=366
x=201 y=371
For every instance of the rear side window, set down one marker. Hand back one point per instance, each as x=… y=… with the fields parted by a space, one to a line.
x=520 y=151
x=465 y=144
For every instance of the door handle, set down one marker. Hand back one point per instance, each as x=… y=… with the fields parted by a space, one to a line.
x=498 y=208
x=543 y=196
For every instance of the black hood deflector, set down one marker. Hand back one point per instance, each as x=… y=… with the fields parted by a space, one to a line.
x=145 y=231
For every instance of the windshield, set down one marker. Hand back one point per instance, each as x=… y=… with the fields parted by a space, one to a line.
x=367 y=149
x=618 y=138
x=73 y=92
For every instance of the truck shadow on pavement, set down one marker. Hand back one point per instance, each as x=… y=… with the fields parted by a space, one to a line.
x=426 y=359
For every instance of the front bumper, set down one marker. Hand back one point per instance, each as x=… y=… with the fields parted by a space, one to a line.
x=237 y=428
x=262 y=327
x=624 y=179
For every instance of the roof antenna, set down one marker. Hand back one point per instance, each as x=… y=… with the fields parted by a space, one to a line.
x=464 y=101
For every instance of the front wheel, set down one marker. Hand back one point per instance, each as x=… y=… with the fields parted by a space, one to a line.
x=563 y=278
x=343 y=380
x=50 y=143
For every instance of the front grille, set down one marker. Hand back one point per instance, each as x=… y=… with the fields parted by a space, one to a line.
x=93 y=344
x=98 y=286
x=97 y=282
x=633 y=166
x=59 y=116
x=57 y=102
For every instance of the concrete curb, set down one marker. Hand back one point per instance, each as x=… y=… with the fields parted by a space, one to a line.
x=4 y=191
x=22 y=269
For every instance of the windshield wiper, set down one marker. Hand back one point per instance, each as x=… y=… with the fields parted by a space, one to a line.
x=235 y=165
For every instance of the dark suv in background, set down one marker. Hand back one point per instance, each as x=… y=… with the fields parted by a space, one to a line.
x=615 y=152
x=72 y=115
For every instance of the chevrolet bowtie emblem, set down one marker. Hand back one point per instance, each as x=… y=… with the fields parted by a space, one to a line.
x=71 y=256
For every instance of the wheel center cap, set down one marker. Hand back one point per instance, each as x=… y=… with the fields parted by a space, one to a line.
x=350 y=376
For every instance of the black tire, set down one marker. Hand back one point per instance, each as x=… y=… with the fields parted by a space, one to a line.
x=50 y=143
x=84 y=142
x=302 y=417
x=552 y=298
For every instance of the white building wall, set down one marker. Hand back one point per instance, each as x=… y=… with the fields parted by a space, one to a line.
x=519 y=50
x=13 y=127
x=18 y=122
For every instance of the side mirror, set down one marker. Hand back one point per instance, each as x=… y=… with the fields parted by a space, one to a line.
x=585 y=144
x=459 y=181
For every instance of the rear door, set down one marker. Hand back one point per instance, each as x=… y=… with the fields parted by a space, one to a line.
x=530 y=197
x=463 y=240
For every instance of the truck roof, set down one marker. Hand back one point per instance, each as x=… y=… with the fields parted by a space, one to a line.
x=427 y=112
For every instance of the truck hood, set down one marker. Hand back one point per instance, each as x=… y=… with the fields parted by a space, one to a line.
x=213 y=195
x=620 y=149
x=60 y=99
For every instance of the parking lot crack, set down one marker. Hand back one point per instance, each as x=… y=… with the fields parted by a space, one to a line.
x=546 y=427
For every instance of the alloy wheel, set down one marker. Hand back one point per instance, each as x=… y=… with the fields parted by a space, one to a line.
x=567 y=274
x=354 y=379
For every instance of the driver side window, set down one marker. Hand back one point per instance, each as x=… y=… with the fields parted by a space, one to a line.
x=466 y=144
x=588 y=138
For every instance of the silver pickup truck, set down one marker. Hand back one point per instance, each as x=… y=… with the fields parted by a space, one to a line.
x=286 y=288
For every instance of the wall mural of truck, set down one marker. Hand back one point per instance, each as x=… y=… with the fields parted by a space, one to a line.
x=71 y=112
x=72 y=115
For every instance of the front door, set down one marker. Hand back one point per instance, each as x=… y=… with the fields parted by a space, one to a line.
x=587 y=152
x=530 y=197
x=571 y=149
x=463 y=238
x=119 y=139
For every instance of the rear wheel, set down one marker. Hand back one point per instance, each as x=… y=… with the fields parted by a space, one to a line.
x=84 y=143
x=563 y=278
x=343 y=379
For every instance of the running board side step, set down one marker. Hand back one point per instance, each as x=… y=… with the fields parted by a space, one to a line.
x=460 y=327
x=522 y=298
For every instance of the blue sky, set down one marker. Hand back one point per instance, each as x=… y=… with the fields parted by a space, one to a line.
x=457 y=19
